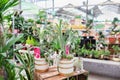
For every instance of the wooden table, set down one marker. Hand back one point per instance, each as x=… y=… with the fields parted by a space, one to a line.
x=53 y=74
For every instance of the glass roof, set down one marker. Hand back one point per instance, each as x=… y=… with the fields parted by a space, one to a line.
x=31 y=7
x=61 y=3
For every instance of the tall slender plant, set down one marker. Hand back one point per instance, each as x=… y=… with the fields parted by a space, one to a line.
x=27 y=66
x=6 y=52
x=63 y=38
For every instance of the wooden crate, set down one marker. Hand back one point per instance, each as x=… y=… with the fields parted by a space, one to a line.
x=53 y=74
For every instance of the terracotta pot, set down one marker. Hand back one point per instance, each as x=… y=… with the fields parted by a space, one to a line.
x=112 y=39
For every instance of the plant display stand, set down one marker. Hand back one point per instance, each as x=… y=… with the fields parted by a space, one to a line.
x=53 y=74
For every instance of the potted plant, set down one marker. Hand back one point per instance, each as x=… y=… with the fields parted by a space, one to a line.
x=26 y=66
x=101 y=37
x=41 y=51
x=41 y=17
x=65 y=65
x=82 y=52
x=6 y=56
x=41 y=62
x=106 y=54
x=112 y=38
x=97 y=54
x=116 y=49
x=38 y=23
x=87 y=53
x=91 y=53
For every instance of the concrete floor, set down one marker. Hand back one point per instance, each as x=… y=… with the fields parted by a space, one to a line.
x=99 y=77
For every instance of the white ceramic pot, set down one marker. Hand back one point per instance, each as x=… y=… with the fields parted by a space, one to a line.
x=66 y=66
x=41 y=65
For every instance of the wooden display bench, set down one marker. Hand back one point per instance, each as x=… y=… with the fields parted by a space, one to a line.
x=53 y=74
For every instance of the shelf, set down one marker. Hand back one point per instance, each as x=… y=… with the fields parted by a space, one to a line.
x=53 y=74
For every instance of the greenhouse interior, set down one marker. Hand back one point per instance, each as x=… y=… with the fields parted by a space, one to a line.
x=59 y=39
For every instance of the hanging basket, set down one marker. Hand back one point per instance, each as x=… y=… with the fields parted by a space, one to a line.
x=66 y=67
x=41 y=65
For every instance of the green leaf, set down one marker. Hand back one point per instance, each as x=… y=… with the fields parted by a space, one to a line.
x=22 y=77
x=10 y=42
x=5 y=5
